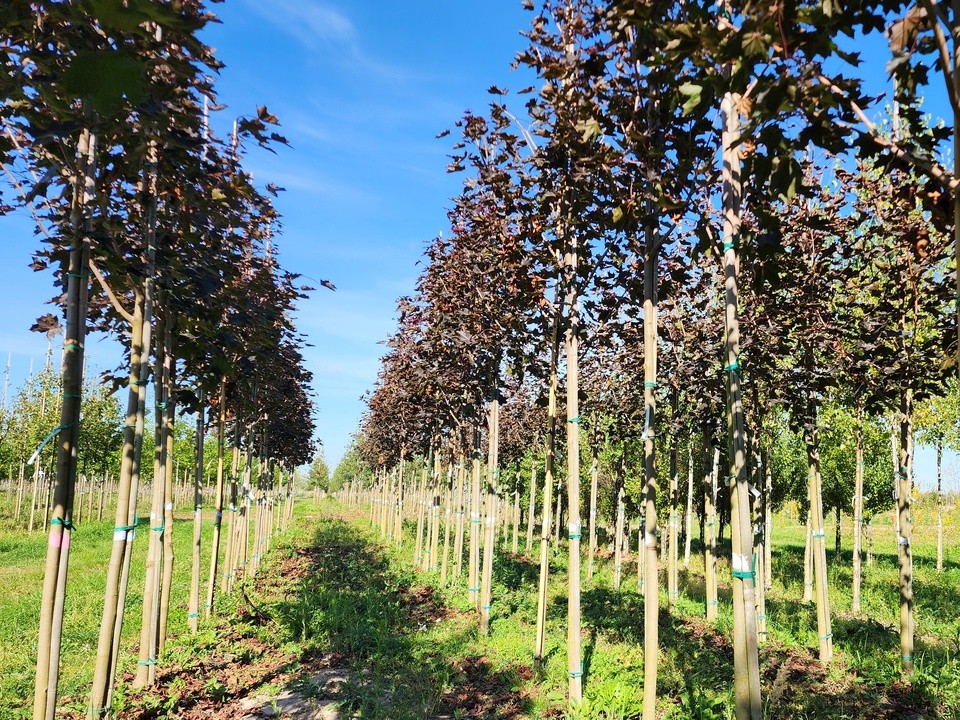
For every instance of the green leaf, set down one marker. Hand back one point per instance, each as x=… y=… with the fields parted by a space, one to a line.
x=105 y=78
x=692 y=92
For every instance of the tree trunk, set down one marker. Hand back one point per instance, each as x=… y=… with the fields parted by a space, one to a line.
x=546 y=526
x=489 y=546
x=651 y=600
x=531 y=504
x=53 y=593
x=594 y=488
x=905 y=552
x=218 y=498
x=858 y=514
x=939 y=506
x=673 y=550
x=193 y=610
x=688 y=513
x=745 y=651
x=710 y=461
x=818 y=549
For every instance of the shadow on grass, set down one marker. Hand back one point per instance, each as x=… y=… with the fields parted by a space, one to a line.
x=348 y=600
x=695 y=654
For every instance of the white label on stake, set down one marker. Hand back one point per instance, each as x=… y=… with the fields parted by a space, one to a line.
x=119 y=535
x=168 y=506
x=741 y=563
x=649 y=539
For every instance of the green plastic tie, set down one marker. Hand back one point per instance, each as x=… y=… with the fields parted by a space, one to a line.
x=818 y=534
x=82 y=274
x=140 y=382
x=649 y=384
x=128 y=528
x=827 y=636
x=575 y=536
x=907 y=658
x=712 y=603
x=744 y=574
x=207 y=606
x=733 y=367
x=576 y=673
x=71 y=345
x=761 y=617
x=163 y=405
x=75 y=396
x=193 y=615
x=476 y=589
x=146 y=662
x=67 y=524
x=574 y=419
x=729 y=246
x=484 y=607
x=158 y=529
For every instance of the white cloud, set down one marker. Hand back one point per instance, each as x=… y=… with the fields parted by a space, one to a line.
x=313 y=24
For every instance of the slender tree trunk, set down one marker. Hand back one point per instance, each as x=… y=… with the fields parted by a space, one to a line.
x=939 y=506
x=688 y=513
x=169 y=420
x=651 y=600
x=53 y=593
x=193 y=610
x=461 y=513
x=574 y=530
x=710 y=461
x=618 y=537
x=125 y=524
x=448 y=511
x=905 y=552
x=515 y=543
x=745 y=651
x=531 y=505
x=858 y=514
x=808 y=560
x=594 y=488
x=475 y=525
x=818 y=549
x=218 y=498
x=673 y=549
x=489 y=545
x=539 y=653
x=768 y=521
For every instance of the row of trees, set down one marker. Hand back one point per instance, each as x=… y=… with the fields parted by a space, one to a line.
x=156 y=236
x=690 y=297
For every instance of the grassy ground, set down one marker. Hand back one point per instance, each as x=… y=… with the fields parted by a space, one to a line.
x=333 y=595
x=21 y=576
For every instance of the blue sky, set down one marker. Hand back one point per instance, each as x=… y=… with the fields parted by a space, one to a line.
x=361 y=90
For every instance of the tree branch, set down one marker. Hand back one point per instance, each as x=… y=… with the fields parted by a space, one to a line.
x=933 y=170
x=113 y=298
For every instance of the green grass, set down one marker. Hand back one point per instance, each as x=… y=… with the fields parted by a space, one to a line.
x=416 y=652
x=21 y=576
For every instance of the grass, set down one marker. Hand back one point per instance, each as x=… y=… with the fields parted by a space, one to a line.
x=21 y=577
x=334 y=595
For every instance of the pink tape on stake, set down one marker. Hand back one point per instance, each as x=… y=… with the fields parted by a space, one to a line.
x=65 y=545
x=54 y=539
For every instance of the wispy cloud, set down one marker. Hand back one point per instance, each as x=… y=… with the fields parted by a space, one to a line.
x=318 y=26
x=313 y=24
